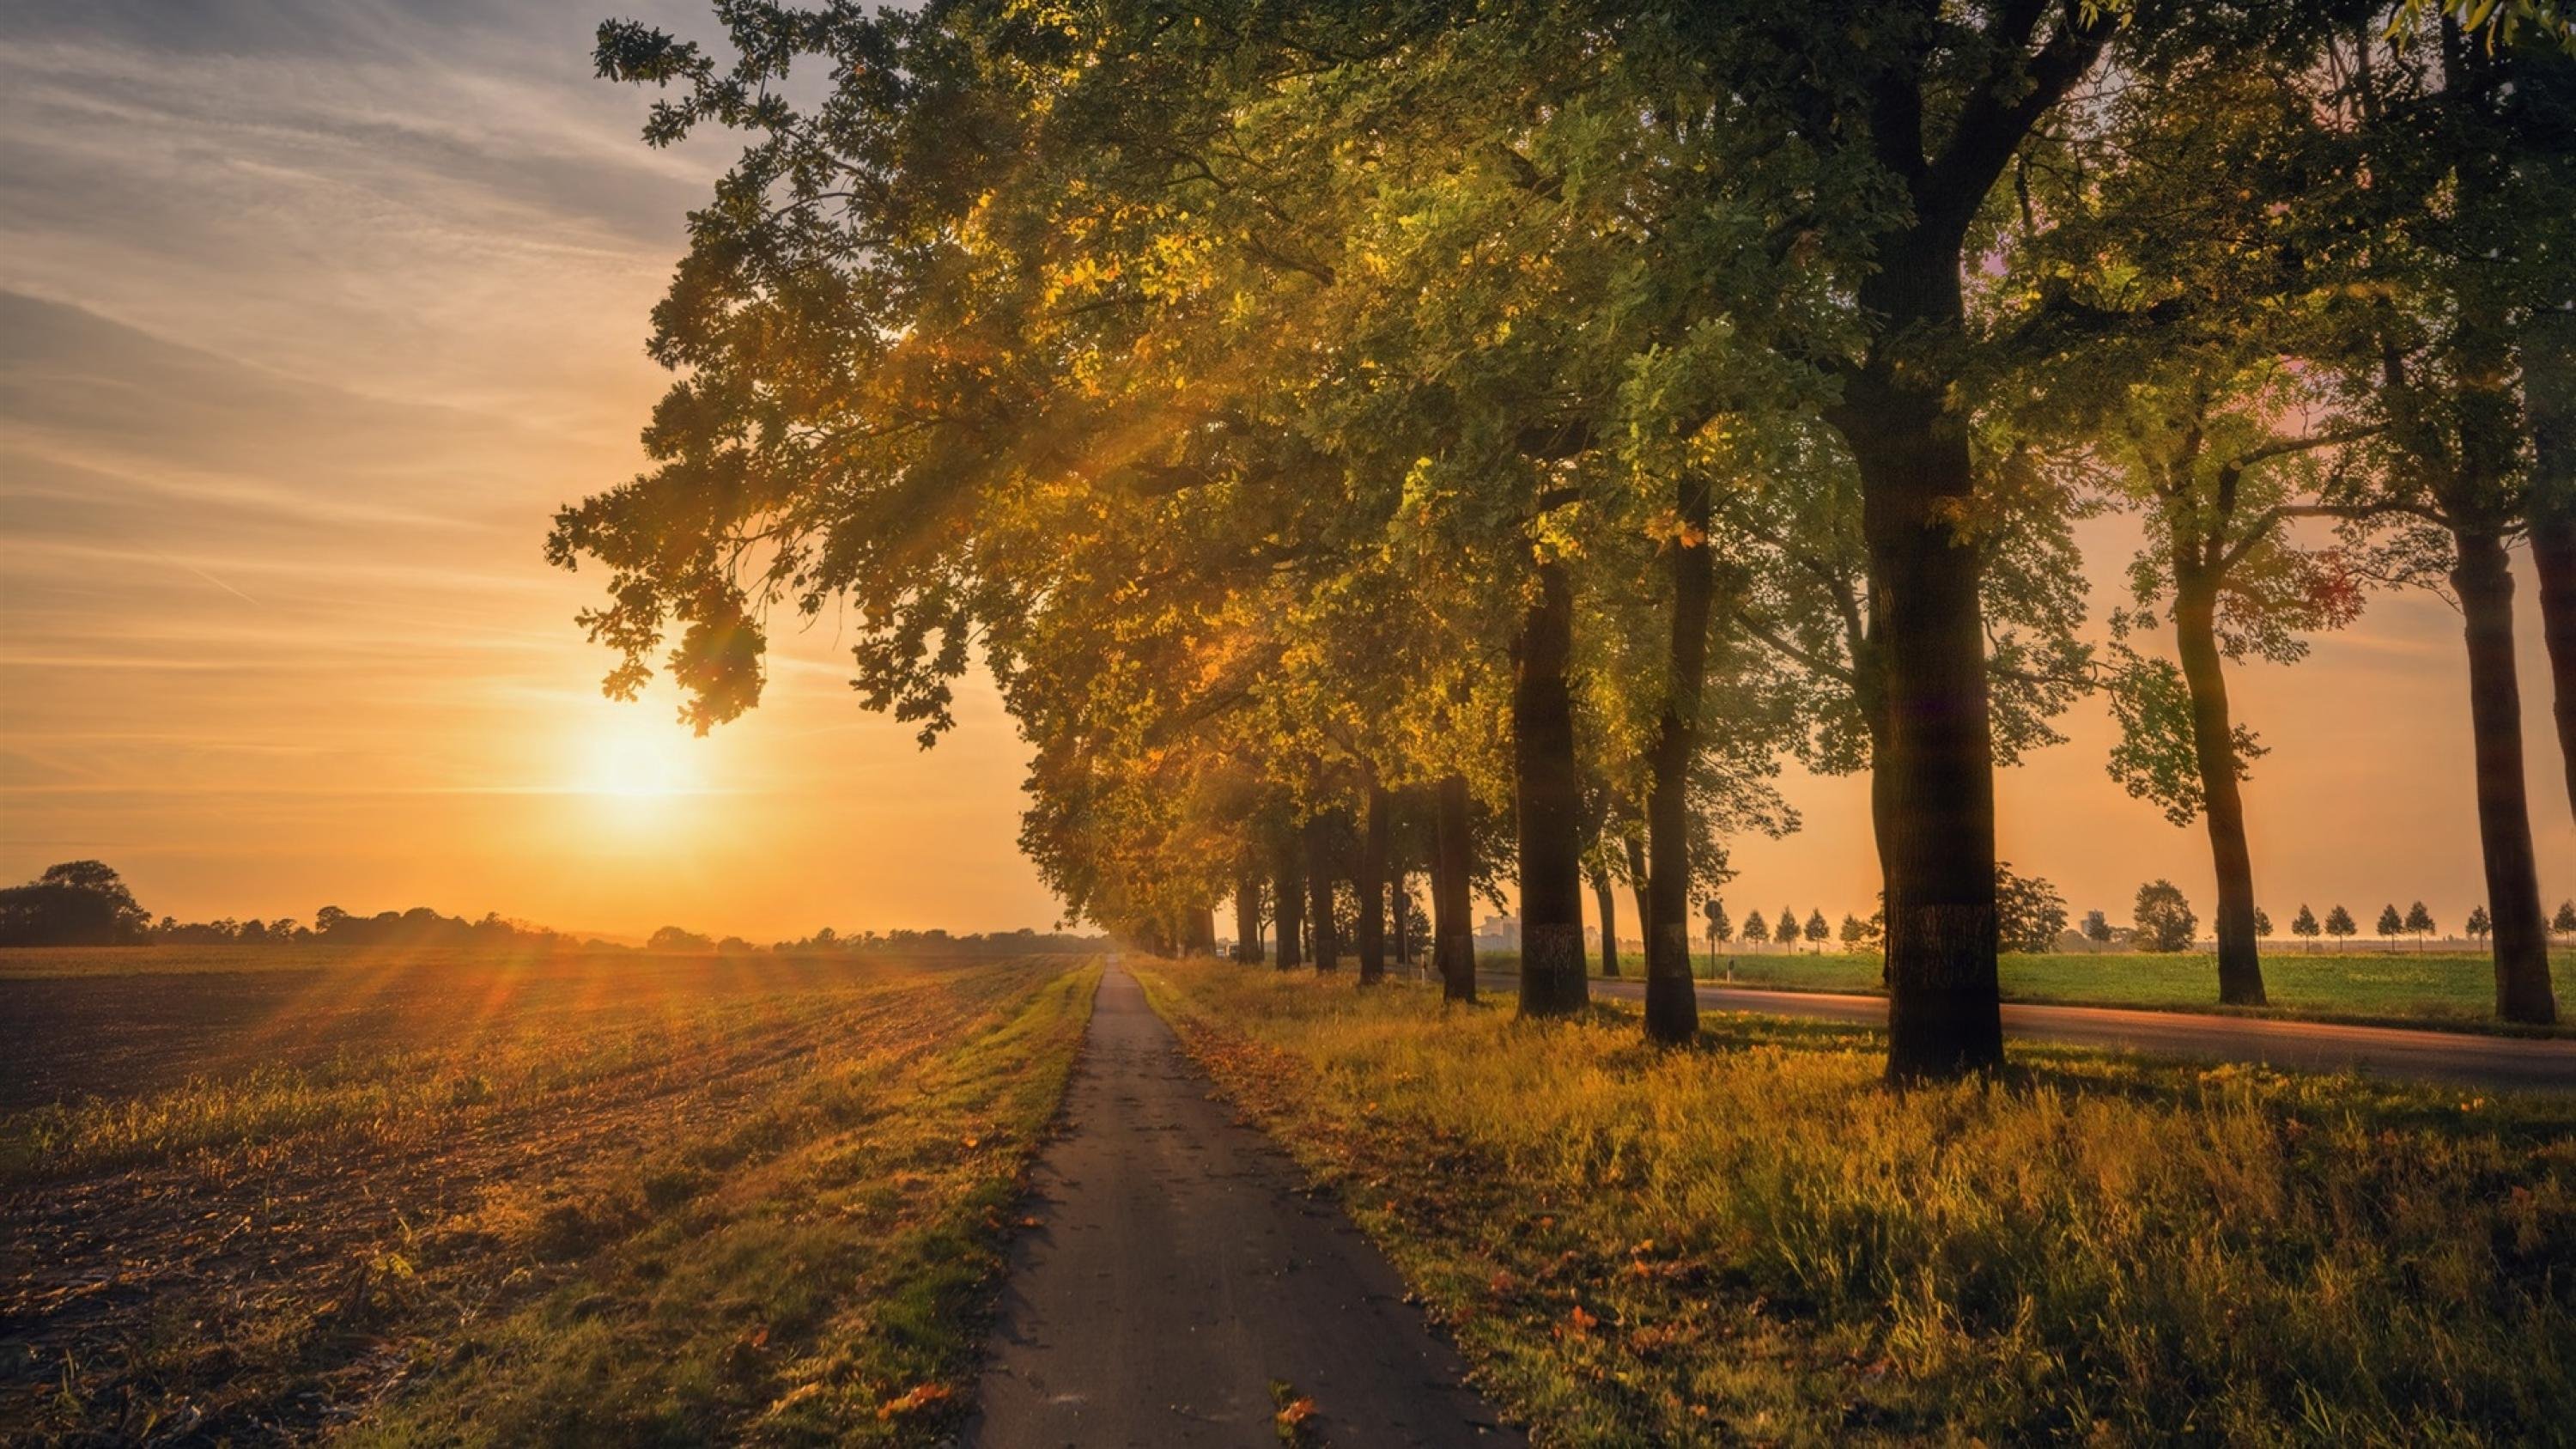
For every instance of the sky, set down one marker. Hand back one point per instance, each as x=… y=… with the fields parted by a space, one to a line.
x=312 y=313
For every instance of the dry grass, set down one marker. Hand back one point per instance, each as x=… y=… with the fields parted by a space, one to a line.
x=1755 y=1240
x=595 y=1203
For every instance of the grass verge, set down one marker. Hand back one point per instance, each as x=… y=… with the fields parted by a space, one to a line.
x=1754 y=1240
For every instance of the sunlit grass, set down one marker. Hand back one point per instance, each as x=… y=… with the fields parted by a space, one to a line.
x=1757 y=1240
x=821 y=1288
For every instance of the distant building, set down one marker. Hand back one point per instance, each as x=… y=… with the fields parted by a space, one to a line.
x=1499 y=933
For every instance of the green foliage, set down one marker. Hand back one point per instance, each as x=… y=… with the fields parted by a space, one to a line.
x=2155 y=759
x=2165 y=920
x=2304 y=924
x=2339 y=924
x=2391 y=924
x=2029 y=913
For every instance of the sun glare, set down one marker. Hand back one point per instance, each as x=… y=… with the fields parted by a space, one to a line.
x=635 y=757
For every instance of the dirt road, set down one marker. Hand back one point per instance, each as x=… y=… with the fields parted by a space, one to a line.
x=2447 y=1056
x=1180 y=1288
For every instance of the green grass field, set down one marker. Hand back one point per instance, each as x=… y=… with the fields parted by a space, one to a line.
x=1757 y=1242
x=610 y=1199
x=2452 y=990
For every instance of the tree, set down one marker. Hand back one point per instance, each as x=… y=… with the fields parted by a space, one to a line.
x=1817 y=931
x=2262 y=923
x=2432 y=256
x=2097 y=929
x=1756 y=930
x=676 y=938
x=75 y=903
x=2479 y=924
x=2165 y=920
x=1784 y=928
x=1720 y=929
x=1944 y=107
x=2564 y=923
x=2029 y=914
x=2304 y=925
x=2391 y=924
x=2419 y=922
x=1857 y=934
x=2340 y=924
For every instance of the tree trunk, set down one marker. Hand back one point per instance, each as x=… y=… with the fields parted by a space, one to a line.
x=1199 y=931
x=1370 y=888
x=1288 y=903
x=2484 y=582
x=1937 y=843
x=2240 y=967
x=1401 y=938
x=1247 y=915
x=1453 y=938
x=1319 y=894
x=1608 y=902
x=1672 y=1001
x=1549 y=799
x=1638 y=892
x=2549 y=394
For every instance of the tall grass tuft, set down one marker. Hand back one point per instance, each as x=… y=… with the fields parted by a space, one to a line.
x=1756 y=1239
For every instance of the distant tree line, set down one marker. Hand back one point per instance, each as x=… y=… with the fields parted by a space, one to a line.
x=86 y=903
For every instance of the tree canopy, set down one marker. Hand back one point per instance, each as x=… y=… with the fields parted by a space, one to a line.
x=1487 y=440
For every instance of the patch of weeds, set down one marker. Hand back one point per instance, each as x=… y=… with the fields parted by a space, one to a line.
x=669 y=1186
x=1294 y=1423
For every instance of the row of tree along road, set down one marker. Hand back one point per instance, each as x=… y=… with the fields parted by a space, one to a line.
x=1485 y=441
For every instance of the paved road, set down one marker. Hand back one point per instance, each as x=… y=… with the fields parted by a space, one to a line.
x=2448 y=1056
x=1178 y=1273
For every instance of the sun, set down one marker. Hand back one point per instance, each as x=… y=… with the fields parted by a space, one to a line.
x=631 y=757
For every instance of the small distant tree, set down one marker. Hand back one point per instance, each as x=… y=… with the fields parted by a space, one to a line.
x=2340 y=924
x=674 y=938
x=1756 y=930
x=1817 y=931
x=2165 y=919
x=1720 y=929
x=2564 y=923
x=2391 y=925
x=2097 y=929
x=1784 y=928
x=2419 y=923
x=2479 y=924
x=2262 y=924
x=2304 y=925
x=2029 y=914
x=1856 y=933
x=76 y=903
